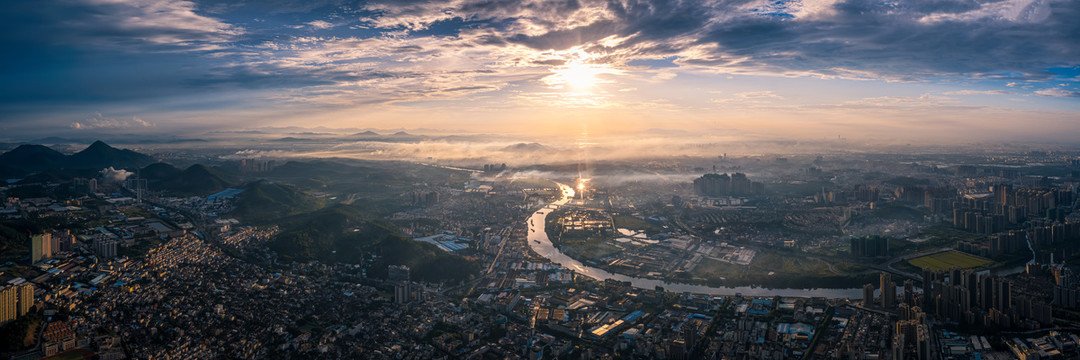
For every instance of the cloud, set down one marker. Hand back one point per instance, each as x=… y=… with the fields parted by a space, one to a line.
x=162 y=21
x=101 y=122
x=1058 y=92
x=758 y=95
x=319 y=24
x=828 y=38
x=111 y=175
x=977 y=92
x=901 y=102
x=415 y=53
x=132 y=25
x=750 y=98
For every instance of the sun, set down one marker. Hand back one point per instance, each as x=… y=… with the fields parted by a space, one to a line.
x=577 y=75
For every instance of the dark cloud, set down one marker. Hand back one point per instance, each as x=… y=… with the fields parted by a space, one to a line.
x=151 y=25
x=917 y=39
x=563 y=39
x=553 y=62
x=662 y=19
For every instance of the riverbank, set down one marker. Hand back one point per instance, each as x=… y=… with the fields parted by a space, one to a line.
x=540 y=243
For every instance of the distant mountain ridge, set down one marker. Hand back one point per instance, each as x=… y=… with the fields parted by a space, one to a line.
x=28 y=159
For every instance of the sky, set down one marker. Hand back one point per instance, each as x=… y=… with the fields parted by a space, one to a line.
x=929 y=71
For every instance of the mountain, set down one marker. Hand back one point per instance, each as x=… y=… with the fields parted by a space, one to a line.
x=368 y=133
x=195 y=180
x=199 y=178
x=29 y=159
x=263 y=201
x=525 y=147
x=290 y=139
x=58 y=175
x=400 y=136
x=344 y=233
x=157 y=172
x=7 y=172
x=33 y=158
x=101 y=155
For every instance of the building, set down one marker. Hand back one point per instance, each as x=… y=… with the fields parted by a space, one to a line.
x=909 y=292
x=870 y=246
x=105 y=248
x=424 y=198
x=868 y=294
x=888 y=290
x=15 y=301
x=402 y=293
x=63 y=241
x=41 y=247
x=723 y=185
x=8 y=304
x=399 y=275
x=25 y=294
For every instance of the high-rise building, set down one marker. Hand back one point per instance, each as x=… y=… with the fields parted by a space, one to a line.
x=713 y=185
x=898 y=346
x=41 y=247
x=870 y=246
x=8 y=304
x=924 y=347
x=54 y=243
x=1002 y=294
x=402 y=293
x=25 y=294
x=888 y=290
x=868 y=294
x=909 y=292
x=64 y=241
x=105 y=248
x=15 y=301
x=399 y=275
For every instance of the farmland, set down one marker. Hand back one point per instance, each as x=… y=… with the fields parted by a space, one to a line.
x=947 y=260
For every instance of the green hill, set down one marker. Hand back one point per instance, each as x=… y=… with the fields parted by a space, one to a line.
x=59 y=175
x=195 y=180
x=8 y=172
x=344 y=233
x=159 y=171
x=263 y=201
x=32 y=158
x=199 y=179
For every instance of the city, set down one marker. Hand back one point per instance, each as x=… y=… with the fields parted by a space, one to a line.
x=771 y=268
x=540 y=179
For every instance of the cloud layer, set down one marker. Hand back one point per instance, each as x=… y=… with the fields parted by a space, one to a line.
x=390 y=60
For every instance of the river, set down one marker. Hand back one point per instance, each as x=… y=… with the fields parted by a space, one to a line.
x=541 y=244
